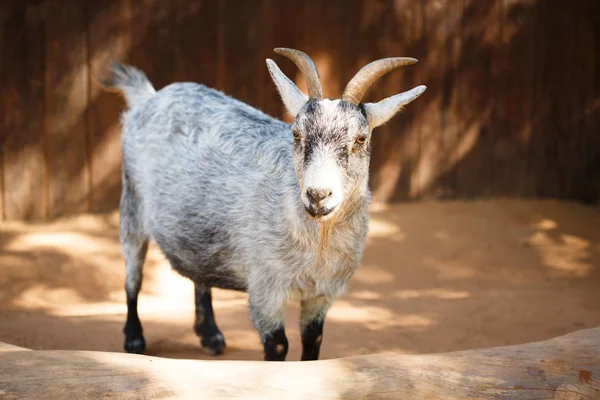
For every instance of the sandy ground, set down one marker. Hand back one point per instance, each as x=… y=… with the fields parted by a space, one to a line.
x=436 y=277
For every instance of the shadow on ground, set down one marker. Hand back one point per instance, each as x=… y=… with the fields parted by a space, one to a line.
x=435 y=277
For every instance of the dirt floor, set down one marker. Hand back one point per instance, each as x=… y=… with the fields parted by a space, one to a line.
x=436 y=277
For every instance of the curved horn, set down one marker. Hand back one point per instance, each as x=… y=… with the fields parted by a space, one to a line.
x=360 y=83
x=306 y=65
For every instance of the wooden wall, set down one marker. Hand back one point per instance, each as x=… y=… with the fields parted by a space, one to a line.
x=512 y=106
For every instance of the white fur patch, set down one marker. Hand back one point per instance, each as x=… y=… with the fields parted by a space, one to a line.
x=329 y=106
x=323 y=172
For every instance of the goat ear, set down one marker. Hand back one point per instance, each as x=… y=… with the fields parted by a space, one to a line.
x=381 y=112
x=292 y=97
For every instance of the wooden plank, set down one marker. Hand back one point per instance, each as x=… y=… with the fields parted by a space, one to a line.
x=364 y=29
x=452 y=119
x=196 y=40
x=108 y=29
x=399 y=167
x=66 y=97
x=436 y=174
x=284 y=24
x=270 y=17
x=584 y=144
x=323 y=42
x=569 y=102
x=568 y=99
x=365 y=25
x=22 y=110
x=2 y=140
x=592 y=114
x=239 y=46
x=285 y=30
x=514 y=99
x=480 y=32
x=154 y=46
x=561 y=368
x=550 y=136
x=5 y=12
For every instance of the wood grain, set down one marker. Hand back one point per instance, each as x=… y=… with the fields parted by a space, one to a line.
x=552 y=99
x=323 y=41
x=477 y=93
x=22 y=110
x=239 y=46
x=365 y=39
x=562 y=368
x=585 y=82
x=511 y=107
x=108 y=30
x=66 y=99
x=155 y=48
x=514 y=99
x=399 y=151
x=196 y=38
x=435 y=172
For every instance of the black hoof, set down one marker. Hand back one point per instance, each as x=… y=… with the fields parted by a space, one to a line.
x=215 y=344
x=135 y=345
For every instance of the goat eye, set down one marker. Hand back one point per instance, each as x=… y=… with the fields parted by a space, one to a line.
x=296 y=135
x=360 y=139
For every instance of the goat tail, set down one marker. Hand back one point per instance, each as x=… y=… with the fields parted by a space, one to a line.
x=134 y=84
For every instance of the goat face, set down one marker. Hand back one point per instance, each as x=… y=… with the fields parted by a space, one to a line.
x=331 y=137
x=331 y=154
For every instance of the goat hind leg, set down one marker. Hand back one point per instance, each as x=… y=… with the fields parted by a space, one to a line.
x=205 y=325
x=134 y=244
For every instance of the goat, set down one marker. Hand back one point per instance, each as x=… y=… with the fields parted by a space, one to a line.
x=236 y=199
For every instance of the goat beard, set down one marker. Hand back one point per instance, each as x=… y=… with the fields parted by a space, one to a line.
x=325 y=231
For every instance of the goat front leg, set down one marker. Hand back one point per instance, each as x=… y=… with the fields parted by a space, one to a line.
x=268 y=317
x=312 y=318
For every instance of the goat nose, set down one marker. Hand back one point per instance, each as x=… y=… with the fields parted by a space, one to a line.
x=318 y=195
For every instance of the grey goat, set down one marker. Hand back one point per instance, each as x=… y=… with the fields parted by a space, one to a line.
x=239 y=200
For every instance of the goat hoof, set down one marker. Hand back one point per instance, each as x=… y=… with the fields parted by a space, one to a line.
x=135 y=345
x=215 y=344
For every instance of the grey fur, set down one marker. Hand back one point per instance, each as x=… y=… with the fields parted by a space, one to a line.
x=218 y=185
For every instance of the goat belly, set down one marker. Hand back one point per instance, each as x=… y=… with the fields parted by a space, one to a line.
x=204 y=263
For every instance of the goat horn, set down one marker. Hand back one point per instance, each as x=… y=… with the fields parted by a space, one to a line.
x=360 y=83
x=306 y=65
